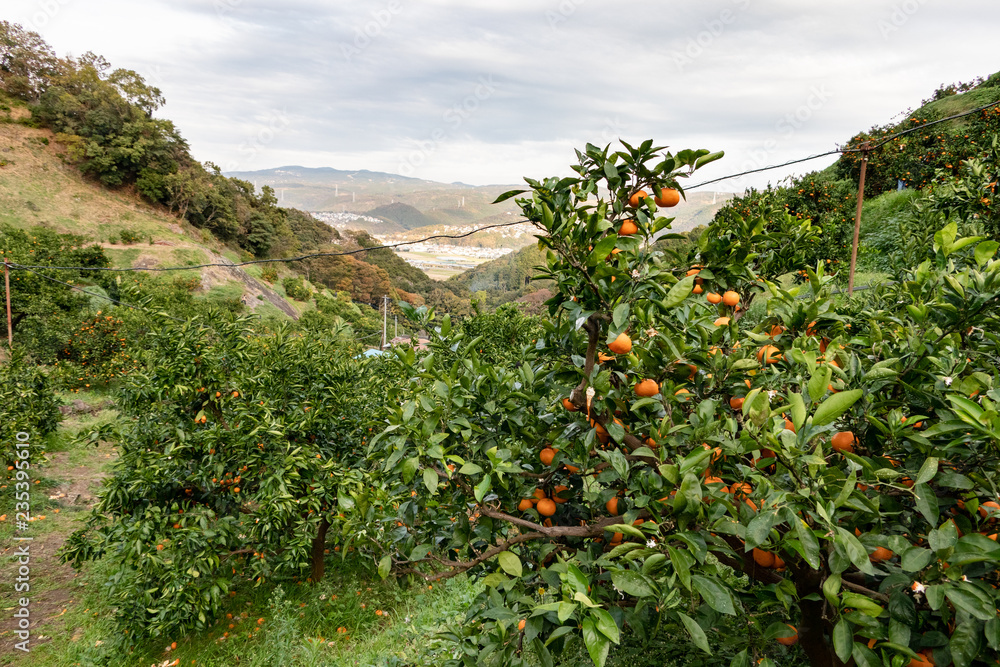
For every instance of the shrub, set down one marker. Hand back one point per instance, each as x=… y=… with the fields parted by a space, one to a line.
x=296 y=288
x=269 y=274
x=27 y=402
x=128 y=237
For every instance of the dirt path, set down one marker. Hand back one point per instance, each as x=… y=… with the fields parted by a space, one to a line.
x=77 y=474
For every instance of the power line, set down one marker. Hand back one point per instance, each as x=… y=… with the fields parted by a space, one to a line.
x=300 y=258
x=101 y=296
x=754 y=171
x=886 y=140
x=881 y=143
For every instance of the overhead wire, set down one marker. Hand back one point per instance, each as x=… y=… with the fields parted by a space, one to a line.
x=391 y=246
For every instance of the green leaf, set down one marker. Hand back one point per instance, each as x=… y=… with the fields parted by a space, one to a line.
x=566 y=610
x=507 y=195
x=810 y=545
x=927 y=472
x=819 y=381
x=605 y=624
x=632 y=583
x=965 y=643
x=915 y=559
x=943 y=537
x=831 y=589
x=714 y=594
x=864 y=656
x=596 y=642
x=985 y=251
x=798 y=410
x=620 y=316
x=410 y=467
x=510 y=563
x=602 y=249
x=680 y=291
x=927 y=503
x=857 y=554
x=963 y=597
x=697 y=634
x=385 y=566
x=625 y=529
x=483 y=488
x=430 y=480
x=843 y=639
x=834 y=406
x=470 y=468
x=944 y=238
x=759 y=528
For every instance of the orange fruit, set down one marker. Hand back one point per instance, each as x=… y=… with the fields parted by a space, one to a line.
x=925 y=660
x=568 y=404
x=621 y=345
x=539 y=494
x=524 y=505
x=637 y=198
x=714 y=297
x=521 y=624
x=988 y=508
x=667 y=197
x=730 y=299
x=647 y=388
x=722 y=322
x=880 y=554
x=628 y=228
x=546 y=507
x=684 y=394
x=547 y=454
x=769 y=354
x=843 y=442
x=740 y=490
x=693 y=271
x=763 y=558
x=173 y=646
x=776 y=331
x=736 y=402
x=612 y=506
x=697 y=289
x=778 y=563
x=789 y=641
x=556 y=491
x=159 y=547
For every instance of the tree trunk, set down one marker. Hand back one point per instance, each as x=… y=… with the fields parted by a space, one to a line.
x=318 y=548
x=813 y=628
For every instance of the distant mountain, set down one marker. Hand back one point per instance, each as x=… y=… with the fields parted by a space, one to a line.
x=405 y=215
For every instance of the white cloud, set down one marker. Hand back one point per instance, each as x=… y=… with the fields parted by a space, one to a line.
x=258 y=83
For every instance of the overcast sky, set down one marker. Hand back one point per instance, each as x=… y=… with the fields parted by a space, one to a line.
x=488 y=92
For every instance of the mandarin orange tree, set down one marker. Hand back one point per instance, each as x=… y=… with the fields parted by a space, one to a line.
x=239 y=464
x=721 y=494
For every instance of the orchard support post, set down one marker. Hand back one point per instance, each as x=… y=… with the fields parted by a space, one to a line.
x=857 y=217
x=6 y=284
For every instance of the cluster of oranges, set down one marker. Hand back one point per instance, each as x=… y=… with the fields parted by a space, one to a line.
x=98 y=352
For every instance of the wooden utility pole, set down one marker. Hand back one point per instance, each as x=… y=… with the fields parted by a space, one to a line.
x=385 y=319
x=6 y=285
x=857 y=217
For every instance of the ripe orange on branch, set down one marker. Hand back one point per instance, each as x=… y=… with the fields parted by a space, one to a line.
x=546 y=507
x=647 y=388
x=621 y=345
x=714 y=298
x=730 y=299
x=628 y=228
x=843 y=442
x=636 y=199
x=769 y=354
x=667 y=197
